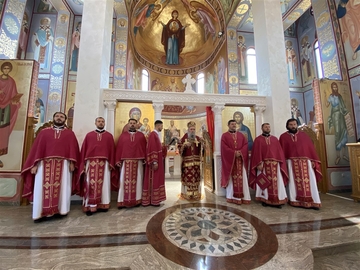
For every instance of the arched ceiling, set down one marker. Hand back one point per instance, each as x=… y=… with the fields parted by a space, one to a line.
x=203 y=19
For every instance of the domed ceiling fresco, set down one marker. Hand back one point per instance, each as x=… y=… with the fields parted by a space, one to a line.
x=170 y=37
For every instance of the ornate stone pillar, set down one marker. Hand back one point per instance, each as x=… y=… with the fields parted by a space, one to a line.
x=93 y=65
x=272 y=80
x=158 y=107
x=217 y=109
x=110 y=107
x=259 y=113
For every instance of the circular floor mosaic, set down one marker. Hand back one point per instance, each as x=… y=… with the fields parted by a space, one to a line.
x=209 y=231
x=211 y=236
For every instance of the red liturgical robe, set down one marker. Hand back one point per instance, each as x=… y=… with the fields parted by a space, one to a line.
x=130 y=149
x=266 y=149
x=154 y=180
x=97 y=148
x=230 y=143
x=299 y=150
x=52 y=147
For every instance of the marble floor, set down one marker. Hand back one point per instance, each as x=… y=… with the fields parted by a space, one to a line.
x=209 y=234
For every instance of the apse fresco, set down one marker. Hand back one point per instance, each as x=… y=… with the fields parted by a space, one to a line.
x=355 y=87
x=170 y=33
x=348 y=13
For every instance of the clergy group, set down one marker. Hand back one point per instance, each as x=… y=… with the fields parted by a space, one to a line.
x=281 y=171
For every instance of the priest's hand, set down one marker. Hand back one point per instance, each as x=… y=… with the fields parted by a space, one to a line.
x=313 y=164
x=237 y=154
x=187 y=144
x=34 y=169
x=110 y=168
x=71 y=166
x=155 y=166
x=260 y=166
x=118 y=164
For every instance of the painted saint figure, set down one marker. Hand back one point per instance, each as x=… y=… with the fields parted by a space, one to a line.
x=43 y=39
x=241 y=51
x=173 y=39
x=239 y=118
x=348 y=12
x=291 y=61
x=75 y=44
x=9 y=107
x=336 y=120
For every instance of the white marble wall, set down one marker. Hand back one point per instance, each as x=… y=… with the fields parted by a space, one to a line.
x=271 y=63
x=94 y=62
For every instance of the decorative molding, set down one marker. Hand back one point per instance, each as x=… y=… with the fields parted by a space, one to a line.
x=218 y=108
x=354 y=72
x=169 y=98
x=110 y=105
x=259 y=109
x=158 y=106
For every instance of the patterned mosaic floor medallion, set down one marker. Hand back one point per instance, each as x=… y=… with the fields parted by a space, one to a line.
x=209 y=231
x=210 y=236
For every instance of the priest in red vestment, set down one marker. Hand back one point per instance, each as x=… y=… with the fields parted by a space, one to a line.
x=190 y=149
x=234 y=161
x=303 y=165
x=268 y=158
x=9 y=107
x=96 y=164
x=154 y=179
x=48 y=173
x=129 y=157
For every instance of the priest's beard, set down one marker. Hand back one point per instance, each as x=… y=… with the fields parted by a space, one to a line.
x=293 y=131
x=191 y=136
x=266 y=132
x=59 y=123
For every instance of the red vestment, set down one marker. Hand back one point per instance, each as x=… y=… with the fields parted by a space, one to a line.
x=267 y=150
x=154 y=180
x=131 y=148
x=8 y=111
x=190 y=167
x=232 y=165
x=97 y=148
x=53 y=147
x=299 y=149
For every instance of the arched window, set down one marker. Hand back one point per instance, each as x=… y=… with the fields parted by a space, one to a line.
x=318 y=62
x=144 y=80
x=251 y=66
x=200 y=83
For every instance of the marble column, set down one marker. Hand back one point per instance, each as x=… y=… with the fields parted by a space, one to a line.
x=259 y=114
x=109 y=115
x=217 y=109
x=158 y=107
x=272 y=80
x=93 y=65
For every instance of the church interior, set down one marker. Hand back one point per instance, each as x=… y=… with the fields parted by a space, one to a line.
x=252 y=61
